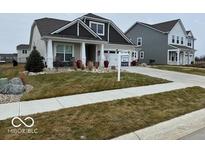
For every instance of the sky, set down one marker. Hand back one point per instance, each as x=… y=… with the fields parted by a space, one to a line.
x=15 y=28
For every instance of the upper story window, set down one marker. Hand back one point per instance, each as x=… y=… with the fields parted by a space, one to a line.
x=97 y=27
x=177 y=39
x=189 y=42
x=24 y=51
x=173 y=39
x=182 y=40
x=139 y=41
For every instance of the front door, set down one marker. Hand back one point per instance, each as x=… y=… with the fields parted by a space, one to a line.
x=90 y=52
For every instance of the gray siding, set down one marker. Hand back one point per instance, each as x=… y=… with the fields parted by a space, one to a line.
x=154 y=44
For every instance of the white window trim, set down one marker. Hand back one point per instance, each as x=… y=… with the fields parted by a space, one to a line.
x=98 y=23
x=140 y=54
x=55 y=49
x=137 y=41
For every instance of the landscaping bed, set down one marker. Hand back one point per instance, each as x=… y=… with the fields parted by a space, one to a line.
x=183 y=69
x=111 y=119
x=66 y=81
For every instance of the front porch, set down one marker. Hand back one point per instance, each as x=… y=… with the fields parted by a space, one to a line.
x=67 y=52
x=180 y=56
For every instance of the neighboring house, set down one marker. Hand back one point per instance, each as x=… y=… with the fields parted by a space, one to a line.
x=87 y=38
x=8 y=57
x=163 y=43
x=23 y=51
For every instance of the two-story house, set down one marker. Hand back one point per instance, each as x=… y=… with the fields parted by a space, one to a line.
x=87 y=38
x=163 y=43
x=23 y=51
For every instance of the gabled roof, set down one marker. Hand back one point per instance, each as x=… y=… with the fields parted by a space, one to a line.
x=22 y=46
x=188 y=31
x=165 y=26
x=180 y=47
x=48 y=25
x=91 y=15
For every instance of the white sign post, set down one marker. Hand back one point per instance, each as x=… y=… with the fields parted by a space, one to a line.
x=119 y=65
x=120 y=62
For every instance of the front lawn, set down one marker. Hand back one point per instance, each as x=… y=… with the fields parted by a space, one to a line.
x=111 y=119
x=8 y=71
x=53 y=85
x=183 y=69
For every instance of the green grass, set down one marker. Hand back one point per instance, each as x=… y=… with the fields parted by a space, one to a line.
x=111 y=119
x=76 y=82
x=183 y=69
x=52 y=85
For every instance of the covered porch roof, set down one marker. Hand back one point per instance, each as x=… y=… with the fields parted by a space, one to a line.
x=184 y=48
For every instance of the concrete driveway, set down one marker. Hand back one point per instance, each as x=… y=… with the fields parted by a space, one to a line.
x=189 y=79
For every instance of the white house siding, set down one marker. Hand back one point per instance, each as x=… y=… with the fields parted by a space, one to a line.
x=177 y=31
x=21 y=58
x=36 y=41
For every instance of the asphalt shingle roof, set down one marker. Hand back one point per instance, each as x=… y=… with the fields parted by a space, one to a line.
x=23 y=46
x=48 y=25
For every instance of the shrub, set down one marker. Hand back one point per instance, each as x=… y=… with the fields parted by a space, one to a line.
x=106 y=63
x=15 y=63
x=75 y=66
x=90 y=65
x=96 y=65
x=82 y=67
x=113 y=68
x=34 y=62
x=134 y=63
x=79 y=63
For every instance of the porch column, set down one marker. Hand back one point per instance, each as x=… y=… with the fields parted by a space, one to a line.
x=188 y=58
x=49 y=54
x=184 y=62
x=178 y=60
x=102 y=57
x=83 y=55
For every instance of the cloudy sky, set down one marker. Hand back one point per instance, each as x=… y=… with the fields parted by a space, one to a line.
x=15 y=28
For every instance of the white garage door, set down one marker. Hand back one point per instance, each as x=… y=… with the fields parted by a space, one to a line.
x=112 y=58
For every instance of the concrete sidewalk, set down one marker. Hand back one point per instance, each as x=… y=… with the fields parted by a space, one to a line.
x=52 y=104
x=185 y=78
x=173 y=129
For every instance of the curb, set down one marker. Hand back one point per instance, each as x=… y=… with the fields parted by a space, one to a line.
x=169 y=130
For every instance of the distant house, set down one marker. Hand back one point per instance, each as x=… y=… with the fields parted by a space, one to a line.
x=7 y=57
x=23 y=51
x=163 y=43
x=87 y=38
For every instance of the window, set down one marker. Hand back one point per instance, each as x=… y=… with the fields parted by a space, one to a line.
x=189 y=42
x=182 y=40
x=172 y=56
x=97 y=27
x=24 y=51
x=173 y=39
x=141 y=54
x=64 y=52
x=177 y=39
x=139 y=41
